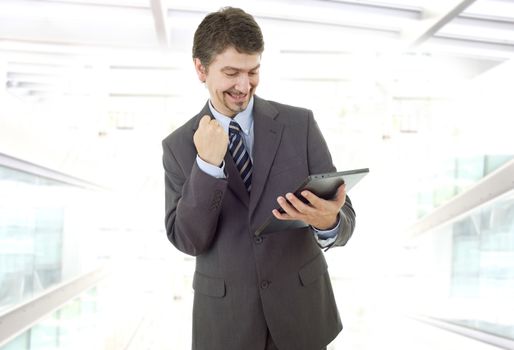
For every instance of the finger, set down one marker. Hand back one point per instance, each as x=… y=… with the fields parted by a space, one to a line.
x=314 y=200
x=214 y=122
x=288 y=208
x=280 y=216
x=204 y=121
x=318 y=202
x=298 y=204
x=341 y=194
x=217 y=128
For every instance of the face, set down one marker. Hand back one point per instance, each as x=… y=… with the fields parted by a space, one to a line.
x=231 y=79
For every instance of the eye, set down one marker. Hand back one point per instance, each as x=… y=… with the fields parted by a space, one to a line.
x=231 y=74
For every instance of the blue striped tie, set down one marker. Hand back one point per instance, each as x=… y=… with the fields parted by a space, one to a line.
x=239 y=154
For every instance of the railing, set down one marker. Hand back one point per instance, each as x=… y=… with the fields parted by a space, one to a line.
x=38 y=170
x=461 y=262
x=22 y=317
x=39 y=269
x=490 y=187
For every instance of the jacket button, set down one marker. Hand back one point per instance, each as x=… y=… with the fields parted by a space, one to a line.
x=258 y=239
x=265 y=284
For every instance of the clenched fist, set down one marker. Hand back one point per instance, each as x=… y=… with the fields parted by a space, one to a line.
x=211 y=141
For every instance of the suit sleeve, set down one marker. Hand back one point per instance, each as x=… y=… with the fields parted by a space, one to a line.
x=320 y=161
x=192 y=205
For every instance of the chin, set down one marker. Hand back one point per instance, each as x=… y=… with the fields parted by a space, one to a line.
x=237 y=107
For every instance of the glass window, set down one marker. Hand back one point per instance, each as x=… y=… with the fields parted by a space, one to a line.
x=466 y=270
x=39 y=223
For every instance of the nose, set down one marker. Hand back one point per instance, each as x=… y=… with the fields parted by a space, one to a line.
x=243 y=83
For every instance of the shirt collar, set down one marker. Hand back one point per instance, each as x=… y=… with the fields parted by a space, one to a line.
x=244 y=118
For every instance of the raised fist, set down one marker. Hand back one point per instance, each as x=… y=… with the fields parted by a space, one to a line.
x=211 y=141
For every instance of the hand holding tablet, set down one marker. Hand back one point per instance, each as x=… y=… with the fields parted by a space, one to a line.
x=322 y=185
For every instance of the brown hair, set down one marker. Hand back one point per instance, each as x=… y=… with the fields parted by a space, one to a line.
x=227 y=27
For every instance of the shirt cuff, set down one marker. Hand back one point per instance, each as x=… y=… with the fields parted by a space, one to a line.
x=213 y=170
x=326 y=237
x=324 y=243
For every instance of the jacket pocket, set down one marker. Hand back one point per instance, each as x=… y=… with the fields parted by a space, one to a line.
x=313 y=270
x=214 y=287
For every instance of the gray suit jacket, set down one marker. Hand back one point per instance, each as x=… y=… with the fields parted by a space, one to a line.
x=245 y=284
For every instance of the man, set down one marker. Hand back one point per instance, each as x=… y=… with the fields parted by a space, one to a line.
x=222 y=182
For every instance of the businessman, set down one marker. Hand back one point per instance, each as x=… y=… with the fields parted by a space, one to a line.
x=226 y=170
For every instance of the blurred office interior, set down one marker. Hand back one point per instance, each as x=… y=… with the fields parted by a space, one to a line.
x=419 y=91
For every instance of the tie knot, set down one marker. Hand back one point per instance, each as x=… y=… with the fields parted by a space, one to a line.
x=234 y=128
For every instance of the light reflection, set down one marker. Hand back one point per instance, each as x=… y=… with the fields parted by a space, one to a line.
x=428 y=126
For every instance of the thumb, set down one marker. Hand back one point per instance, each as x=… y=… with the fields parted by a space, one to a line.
x=341 y=194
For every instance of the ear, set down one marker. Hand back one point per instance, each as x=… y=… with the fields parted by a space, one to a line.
x=200 y=70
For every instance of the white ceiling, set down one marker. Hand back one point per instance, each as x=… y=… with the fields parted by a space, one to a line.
x=123 y=51
x=41 y=38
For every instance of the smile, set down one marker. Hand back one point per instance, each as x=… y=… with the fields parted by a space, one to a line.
x=237 y=97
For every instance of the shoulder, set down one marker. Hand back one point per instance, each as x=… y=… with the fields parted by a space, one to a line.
x=287 y=113
x=182 y=134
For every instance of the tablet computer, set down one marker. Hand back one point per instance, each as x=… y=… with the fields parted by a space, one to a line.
x=322 y=185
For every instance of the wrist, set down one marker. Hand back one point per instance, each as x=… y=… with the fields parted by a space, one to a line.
x=330 y=225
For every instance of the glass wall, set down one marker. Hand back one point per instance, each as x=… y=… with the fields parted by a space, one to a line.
x=452 y=176
x=46 y=236
x=141 y=304
x=70 y=327
x=463 y=272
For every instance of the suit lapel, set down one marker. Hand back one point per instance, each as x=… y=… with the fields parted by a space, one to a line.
x=267 y=135
x=235 y=183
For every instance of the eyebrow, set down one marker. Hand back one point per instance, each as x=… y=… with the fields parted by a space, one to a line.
x=238 y=69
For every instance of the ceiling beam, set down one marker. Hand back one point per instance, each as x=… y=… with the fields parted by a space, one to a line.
x=159 y=12
x=438 y=14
